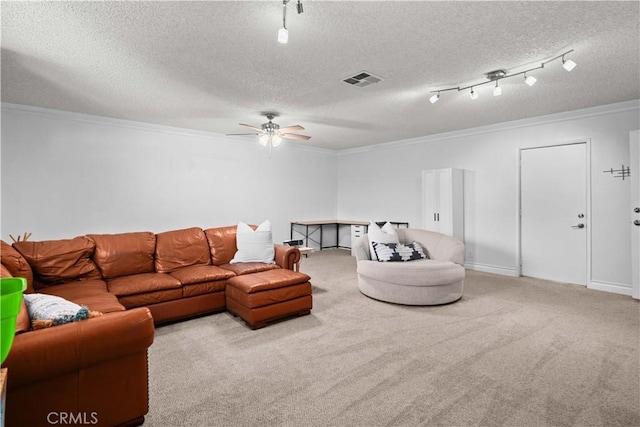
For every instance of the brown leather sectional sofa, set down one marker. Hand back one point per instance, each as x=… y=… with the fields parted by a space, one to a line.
x=95 y=370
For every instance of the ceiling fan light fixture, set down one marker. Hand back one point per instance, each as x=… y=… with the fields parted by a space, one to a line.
x=270 y=134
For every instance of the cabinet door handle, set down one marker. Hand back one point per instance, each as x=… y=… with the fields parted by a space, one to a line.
x=438 y=217
x=434 y=216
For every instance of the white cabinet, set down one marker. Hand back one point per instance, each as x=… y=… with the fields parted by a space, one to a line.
x=443 y=201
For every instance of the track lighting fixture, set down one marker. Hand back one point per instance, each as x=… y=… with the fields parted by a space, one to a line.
x=500 y=74
x=299 y=7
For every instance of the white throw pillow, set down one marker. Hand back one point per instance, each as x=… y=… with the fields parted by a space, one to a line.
x=386 y=234
x=254 y=246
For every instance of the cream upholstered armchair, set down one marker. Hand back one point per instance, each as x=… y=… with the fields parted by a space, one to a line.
x=437 y=280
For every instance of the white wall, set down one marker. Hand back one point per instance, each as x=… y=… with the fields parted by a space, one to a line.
x=383 y=183
x=66 y=174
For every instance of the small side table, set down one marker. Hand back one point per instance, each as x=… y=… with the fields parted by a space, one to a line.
x=304 y=251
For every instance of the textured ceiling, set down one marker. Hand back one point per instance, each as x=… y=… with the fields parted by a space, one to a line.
x=211 y=65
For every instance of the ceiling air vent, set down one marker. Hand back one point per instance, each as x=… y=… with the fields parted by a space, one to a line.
x=362 y=79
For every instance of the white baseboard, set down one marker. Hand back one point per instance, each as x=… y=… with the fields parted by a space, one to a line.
x=616 y=288
x=495 y=269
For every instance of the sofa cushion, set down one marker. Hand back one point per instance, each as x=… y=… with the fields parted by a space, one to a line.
x=91 y=293
x=423 y=272
x=201 y=273
x=142 y=283
x=4 y=271
x=181 y=248
x=254 y=245
x=124 y=254
x=16 y=264
x=389 y=252
x=203 y=288
x=59 y=261
x=267 y=280
x=49 y=310
x=222 y=244
x=151 y=298
x=249 y=267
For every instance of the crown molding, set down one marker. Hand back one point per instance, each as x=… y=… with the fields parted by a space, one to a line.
x=149 y=127
x=223 y=139
x=514 y=124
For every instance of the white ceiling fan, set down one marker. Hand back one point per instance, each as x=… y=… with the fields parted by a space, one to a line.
x=271 y=133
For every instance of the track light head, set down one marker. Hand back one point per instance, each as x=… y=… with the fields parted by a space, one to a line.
x=435 y=98
x=299 y=7
x=568 y=64
x=497 y=91
x=530 y=80
x=473 y=94
x=283 y=35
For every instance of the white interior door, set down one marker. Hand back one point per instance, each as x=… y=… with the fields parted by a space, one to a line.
x=553 y=209
x=634 y=140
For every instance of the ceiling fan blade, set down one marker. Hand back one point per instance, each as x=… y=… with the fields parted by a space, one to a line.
x=293 y=128
x=250 y=126
x=294 y=136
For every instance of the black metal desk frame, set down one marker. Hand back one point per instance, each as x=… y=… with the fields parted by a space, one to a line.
x=317 y=227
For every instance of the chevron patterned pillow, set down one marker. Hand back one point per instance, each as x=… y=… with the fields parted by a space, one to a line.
x=387 y=252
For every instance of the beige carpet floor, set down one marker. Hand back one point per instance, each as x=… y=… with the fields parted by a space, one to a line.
x=511 y=352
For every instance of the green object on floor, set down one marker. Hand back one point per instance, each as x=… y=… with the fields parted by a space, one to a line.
x=11 y=290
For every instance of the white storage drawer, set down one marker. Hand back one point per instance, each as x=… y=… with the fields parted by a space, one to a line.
x=357 y=230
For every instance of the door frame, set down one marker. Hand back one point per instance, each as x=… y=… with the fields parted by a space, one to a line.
x=587 y=142
x=634 y=163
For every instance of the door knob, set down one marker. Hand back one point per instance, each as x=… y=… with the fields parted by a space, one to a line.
x=637 y=222
x=581 y=225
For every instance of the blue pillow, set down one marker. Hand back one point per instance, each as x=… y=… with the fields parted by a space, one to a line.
x=49 y=310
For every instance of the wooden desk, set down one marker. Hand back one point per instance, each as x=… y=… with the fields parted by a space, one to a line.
x=317 y=226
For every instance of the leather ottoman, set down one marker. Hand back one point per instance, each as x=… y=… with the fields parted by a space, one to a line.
x=269 y=295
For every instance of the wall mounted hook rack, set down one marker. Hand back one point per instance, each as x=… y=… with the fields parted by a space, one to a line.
x=620 y=173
